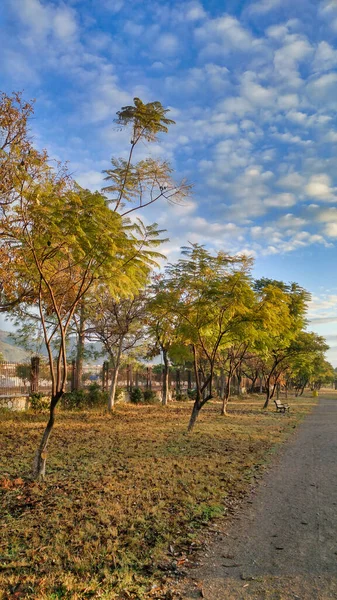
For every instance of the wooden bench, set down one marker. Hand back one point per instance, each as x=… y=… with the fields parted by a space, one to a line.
x=280 y=407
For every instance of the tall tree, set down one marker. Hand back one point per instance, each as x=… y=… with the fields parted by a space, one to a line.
x=132 y=187
x=62 y=241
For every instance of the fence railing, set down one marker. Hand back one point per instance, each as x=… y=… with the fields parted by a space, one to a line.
x=21 y=379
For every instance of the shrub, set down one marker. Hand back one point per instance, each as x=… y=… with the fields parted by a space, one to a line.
x=136 y=396
x=38 y=402
x=73 y=400
x=181 y=397
x=192 y=394
x=95 y=396
x=150 y=397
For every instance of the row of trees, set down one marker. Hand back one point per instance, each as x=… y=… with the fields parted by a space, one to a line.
x=73 y=262
x=207 y=313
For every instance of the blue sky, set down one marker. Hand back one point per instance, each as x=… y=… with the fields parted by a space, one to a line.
x=252 y=86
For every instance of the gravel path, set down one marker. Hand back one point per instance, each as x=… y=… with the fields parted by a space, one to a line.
x=284 y=542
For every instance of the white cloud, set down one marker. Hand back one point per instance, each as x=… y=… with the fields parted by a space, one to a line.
x=264 y=6
x=167 y=44
x=194 y=11
x=255 y=93
x=281 y=200
x=43 y=19
x=319 y=187
x=223 y=34
x=331 y=230
x=325 y=57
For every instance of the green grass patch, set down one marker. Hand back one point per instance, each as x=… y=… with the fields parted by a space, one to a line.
x=125 y=494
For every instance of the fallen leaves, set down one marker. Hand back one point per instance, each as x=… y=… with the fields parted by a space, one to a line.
x=125 y=497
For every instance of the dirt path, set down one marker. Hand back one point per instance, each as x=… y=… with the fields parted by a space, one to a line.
x=284 y=543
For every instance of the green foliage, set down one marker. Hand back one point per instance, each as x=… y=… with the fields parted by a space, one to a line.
x=150 y=397
x=90 y=398
x=181 y=397
x=136 y=396
x=23 y=371
x=147 y=120
x=38 y=402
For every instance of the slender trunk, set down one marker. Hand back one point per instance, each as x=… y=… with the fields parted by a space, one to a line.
x=165 y=398
x=223 y=385
x=39 y=467
x=226 y=396
x=302 y=390
x=114 y=380
x=113 y=388
x=251 y=390
x=267 y=393
x=80 y=350
x=273 y=391
x=195 y=413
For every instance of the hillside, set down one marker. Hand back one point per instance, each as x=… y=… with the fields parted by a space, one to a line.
x=9 y=350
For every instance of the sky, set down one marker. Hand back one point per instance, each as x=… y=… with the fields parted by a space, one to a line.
x=252 y=86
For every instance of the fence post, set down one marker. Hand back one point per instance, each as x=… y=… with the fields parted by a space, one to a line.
x=105 y=376
x=189 y=380
x=128 y=377
x=131 y=381
x=73 y=375
x=178 y=386
x=34 y=374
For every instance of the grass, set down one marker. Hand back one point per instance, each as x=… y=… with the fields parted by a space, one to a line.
x=126 y=495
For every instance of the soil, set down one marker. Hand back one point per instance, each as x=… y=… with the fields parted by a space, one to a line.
x=283 y=542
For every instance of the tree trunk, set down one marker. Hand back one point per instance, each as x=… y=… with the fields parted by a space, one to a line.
x=114 y=379
x=113 y=388
x=80 y=350
x=195 y=413
x=226 y=396
x=267 y=394
x=39 y=467
x=273 y=391
x=251 y=390
x=165 y=397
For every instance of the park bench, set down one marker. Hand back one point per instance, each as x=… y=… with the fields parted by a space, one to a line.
x=280 y=407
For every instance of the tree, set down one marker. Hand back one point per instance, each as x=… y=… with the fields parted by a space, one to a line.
x=163 y=326
x=148 y=180
x=289 y=303
x=21 y=167
x=213 y=295
x=118 y=324
x=136 y=186
x=62 y=241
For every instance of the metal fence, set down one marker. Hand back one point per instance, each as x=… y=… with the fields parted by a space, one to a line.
x=21 y=379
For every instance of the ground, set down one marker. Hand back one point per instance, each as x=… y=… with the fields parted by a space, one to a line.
x=283 y=543
x=128 y=496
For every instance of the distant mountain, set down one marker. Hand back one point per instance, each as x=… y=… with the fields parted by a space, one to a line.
x=9 y=351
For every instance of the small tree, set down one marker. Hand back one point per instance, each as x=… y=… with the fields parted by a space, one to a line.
x=118 y=324
x=213 y=295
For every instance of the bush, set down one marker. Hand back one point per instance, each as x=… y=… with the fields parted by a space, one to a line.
x=192 y=394
x=180 y=397
x=84 y=398
x=95 y=396
x=73 y=400
x=39 y=402
x=150 y=397
x=136 y=396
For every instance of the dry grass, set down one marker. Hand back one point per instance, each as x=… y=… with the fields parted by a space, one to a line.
x=125 y=495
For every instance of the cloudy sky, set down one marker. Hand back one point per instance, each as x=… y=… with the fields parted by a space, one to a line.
x=252 y=86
